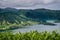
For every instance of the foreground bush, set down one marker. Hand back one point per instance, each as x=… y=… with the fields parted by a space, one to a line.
x=33 y=35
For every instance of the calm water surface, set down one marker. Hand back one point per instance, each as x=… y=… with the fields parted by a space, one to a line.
x=39 y=28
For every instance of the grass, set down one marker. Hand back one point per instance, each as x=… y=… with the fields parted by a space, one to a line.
x=32 y=35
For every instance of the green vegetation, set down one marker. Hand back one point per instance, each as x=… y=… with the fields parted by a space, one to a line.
x=11 y=18
x=15 y=26
x=32 y=35
x=47 y=23
x=57 y=21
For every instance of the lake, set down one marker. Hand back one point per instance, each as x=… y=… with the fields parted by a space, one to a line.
x=39 y=28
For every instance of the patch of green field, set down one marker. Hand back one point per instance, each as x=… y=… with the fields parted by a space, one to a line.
x=14 y=26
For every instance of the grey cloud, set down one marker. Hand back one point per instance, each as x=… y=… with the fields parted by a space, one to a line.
x=31 y=3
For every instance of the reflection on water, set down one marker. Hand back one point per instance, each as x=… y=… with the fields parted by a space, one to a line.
x=39 y=28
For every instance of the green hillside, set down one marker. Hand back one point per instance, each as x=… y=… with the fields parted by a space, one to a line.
x=15 y=18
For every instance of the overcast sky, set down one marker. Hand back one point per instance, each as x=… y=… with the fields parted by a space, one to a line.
x=48 y=4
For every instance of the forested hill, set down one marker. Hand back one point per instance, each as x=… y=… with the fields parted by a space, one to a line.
x=13 y=15
x=41 y=13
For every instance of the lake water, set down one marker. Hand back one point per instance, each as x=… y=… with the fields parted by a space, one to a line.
x=39 y=28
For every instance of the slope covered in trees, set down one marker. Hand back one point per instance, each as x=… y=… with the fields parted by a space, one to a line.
x=11 y=14
x=41 y=14
x=22 y=16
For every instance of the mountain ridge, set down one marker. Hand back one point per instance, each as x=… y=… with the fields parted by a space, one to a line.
x=28 y=14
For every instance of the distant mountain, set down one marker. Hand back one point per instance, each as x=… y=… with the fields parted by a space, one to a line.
x=13 y=15
x=41 y=13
